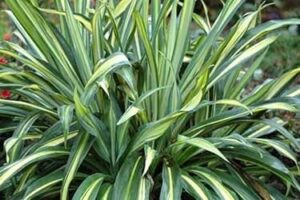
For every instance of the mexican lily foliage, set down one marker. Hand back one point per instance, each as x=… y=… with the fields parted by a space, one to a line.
x=117 y=101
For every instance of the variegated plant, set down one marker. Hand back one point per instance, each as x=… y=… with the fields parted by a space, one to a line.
x=118 y=101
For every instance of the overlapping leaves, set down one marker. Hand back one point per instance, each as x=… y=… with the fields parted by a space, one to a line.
x=117 y=101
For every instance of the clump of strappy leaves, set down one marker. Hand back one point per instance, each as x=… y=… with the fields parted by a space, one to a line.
x=118 y=101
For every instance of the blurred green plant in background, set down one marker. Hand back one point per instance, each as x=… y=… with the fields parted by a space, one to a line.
x=4 y=22
x=284 y=55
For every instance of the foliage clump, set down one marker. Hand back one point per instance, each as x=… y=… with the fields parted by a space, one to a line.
x=108 y=104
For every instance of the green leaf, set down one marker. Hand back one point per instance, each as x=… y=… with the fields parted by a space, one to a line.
x=152 y=131
x=80 y=54
x=92 y=125
x=194 y=188
x=150 y=154
x=27 y=106
x=242 y=189
x=43 y=184
x=239 y=59
x=128 y=180
x=107 y=66
x=135 y=108
x=281 y=83
x=202 y=50
x=260 y=158
x=281 y=147
x=14 y=144
x=65 y=114
x=231 y=102
x=182 y=34
x=78 y=153
x=98 y=35
x=144 y=189
x=105 y=192
x=213 y=180
x=202 y=144
x=171 y=188
x=89 y=188
x=148 y=48
x=7 y=172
